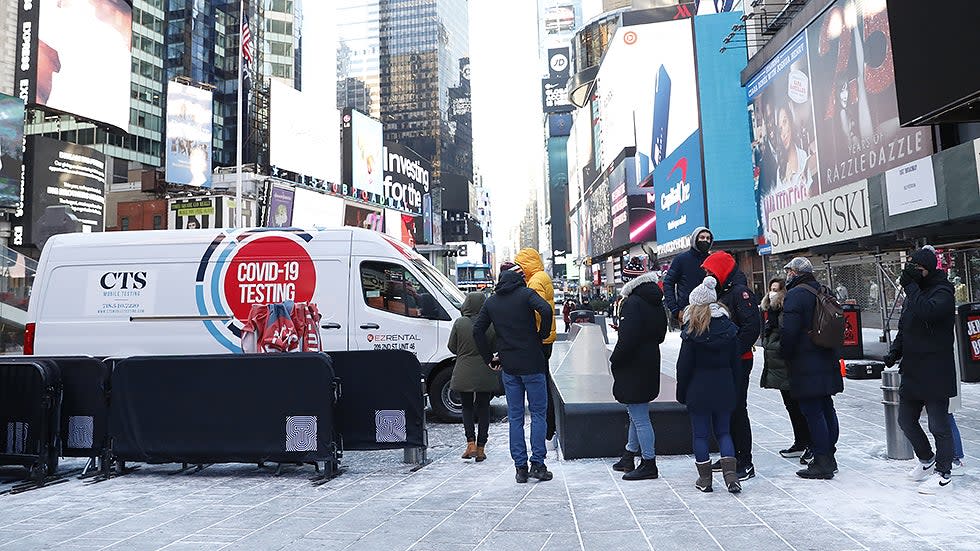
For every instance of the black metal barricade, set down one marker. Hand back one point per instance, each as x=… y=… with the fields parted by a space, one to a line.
x=30 y=405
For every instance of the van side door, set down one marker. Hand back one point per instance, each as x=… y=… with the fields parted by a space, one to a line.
x=391 y=309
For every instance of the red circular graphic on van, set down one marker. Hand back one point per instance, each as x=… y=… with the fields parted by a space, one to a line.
x=370 y=337
x=268 y=270
x=629 y=37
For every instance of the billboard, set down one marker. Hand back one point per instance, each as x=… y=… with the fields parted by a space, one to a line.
x=553 y=96
x=401 y=226
x=559 y=124
x=194 y=213
x=599 y=213
x=558 y=63
x=189 y=123
x=361 y=216
x=406 y=178
x=363 y=153
x=314 y=209
x=301 y=136
x=280 y=207
x=824 y=111
x=679 y=189
x=75 y=57
x=11 y=150
x=559 y=19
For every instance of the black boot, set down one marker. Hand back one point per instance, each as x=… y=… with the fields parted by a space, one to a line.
x=522 y=473
x=626 y=463
x=646 y=471
x=820 y=468
x=539 y=471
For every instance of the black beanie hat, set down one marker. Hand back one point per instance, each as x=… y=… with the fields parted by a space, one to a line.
x=925 y=257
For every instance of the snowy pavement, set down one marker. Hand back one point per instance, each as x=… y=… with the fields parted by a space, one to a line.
x=451 y=504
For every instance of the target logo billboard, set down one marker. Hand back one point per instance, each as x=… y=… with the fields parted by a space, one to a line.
x=246 y=267
x=629 y=38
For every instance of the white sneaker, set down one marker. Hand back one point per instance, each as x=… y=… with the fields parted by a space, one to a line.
x=958 y=468
x=921 y=471
x=936 y=484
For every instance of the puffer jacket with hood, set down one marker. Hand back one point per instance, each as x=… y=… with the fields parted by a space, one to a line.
x=775 y=371
x=642 y=327
x=925 y=339
x=707 y=366
x=538 y=281
x=685 y=273
x=512 y=311
x=735 y=294
x=471 y=373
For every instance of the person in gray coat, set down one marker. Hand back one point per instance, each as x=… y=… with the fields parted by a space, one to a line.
x=472 y=378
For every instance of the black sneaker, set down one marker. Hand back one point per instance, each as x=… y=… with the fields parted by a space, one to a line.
x=746 y=472
x=807 y=457
x=796 y=450
x=539 y=471
x=522 y=474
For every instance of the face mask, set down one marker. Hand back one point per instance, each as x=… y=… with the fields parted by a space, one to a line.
x=773 y=295
x=703 y=246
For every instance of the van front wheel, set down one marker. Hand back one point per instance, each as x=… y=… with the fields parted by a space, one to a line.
x=446 y=403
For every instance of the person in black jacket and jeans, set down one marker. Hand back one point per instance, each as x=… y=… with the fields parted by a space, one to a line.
x=686 y=273
x=814 y=371
x=511 y=311
x=735 y=295
x=636 y=370
x=924 y=345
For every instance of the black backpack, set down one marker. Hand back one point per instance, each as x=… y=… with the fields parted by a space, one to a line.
x=828 y=319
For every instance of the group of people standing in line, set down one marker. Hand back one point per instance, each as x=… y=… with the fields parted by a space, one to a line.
x=721 y=321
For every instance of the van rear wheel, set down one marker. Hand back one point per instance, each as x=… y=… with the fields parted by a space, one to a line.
x=447 y=406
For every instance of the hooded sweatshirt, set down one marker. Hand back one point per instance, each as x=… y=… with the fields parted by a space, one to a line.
x=512 y=311
x=471 y=373
x=684 y=275
x=538 y=281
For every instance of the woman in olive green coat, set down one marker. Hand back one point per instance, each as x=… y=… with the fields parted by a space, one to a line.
x=472 y=377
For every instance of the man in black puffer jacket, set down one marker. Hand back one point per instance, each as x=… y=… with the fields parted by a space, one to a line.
x=635 y=366
x=814 y=371
x=924 y=344
x=733 y=291
x=511 y=311
x=685 y=273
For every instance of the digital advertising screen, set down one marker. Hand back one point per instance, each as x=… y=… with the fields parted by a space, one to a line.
x=401 y=226
x=301 y=135
x=59 y=173
x=280 y=207
x=824 y=111
x=11 y=149
x=75 y=57
x=679 y=185
x=190 y=120
x=362 y=216
x=599 y=211
x=406 y=178
x=314 y=209
x=366 y=153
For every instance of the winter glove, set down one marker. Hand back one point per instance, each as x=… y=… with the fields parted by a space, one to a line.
x=890 y=359
x=910 y=274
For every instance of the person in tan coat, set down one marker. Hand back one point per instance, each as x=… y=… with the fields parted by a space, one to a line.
x=540 y=282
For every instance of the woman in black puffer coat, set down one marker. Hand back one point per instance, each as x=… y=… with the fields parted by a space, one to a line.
x=636 y=369
x=775 y=374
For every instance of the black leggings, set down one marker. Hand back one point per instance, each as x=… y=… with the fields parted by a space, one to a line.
x=476 y=408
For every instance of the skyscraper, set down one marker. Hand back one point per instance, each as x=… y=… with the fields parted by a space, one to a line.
x=358 y=56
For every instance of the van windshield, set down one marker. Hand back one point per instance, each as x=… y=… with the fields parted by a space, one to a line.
x=440 y=282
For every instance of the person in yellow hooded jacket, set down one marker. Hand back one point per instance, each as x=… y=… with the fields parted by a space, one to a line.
x=540 y=282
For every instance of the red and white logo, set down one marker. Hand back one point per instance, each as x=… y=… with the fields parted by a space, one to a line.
x=370 y=337
x=629 y=38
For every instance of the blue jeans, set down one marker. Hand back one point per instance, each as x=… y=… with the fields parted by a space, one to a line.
x=701 y=426
x=957 y=443
x=535 y=387
x=641 y=436
x=821 y=418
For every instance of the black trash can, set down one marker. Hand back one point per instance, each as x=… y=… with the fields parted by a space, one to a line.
x=853 y=333
x=582 y=316
x=968 y=335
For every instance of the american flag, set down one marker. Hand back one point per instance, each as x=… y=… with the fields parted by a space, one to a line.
x=246 y=41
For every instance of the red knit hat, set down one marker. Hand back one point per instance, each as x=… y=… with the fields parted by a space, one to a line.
x=720 y=264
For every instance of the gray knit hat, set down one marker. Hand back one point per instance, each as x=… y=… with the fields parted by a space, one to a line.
x=704 y=293
x=800 y=265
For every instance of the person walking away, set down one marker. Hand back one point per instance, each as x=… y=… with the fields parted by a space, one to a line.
x=775 y=371
x=924 y=344
x=472 y=378
x=743 y=308
x=512 y=311
x=707 y=370
x=635 y=364
x=685 y=272
x=540 y=282
x=814 y=370
x=566 y=313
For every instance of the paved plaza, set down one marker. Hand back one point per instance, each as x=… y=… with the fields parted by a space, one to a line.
x=380 y=503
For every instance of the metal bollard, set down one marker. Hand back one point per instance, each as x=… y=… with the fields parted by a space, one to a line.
x=898 y=446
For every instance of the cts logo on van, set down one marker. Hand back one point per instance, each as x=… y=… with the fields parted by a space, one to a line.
x=242 y=268
x=123 y=281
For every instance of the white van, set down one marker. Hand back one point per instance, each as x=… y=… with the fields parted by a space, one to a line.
x=189 y=292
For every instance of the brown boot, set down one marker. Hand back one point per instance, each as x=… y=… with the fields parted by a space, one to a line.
x=470 y=452
x=480 y=455
x=704 y=476
x=728 y=466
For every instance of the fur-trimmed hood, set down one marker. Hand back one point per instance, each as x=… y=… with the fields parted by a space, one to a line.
x=649 y=277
